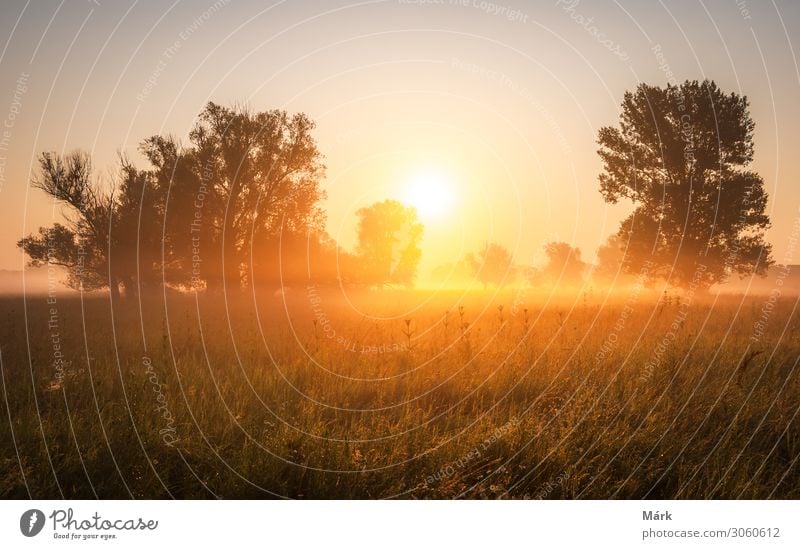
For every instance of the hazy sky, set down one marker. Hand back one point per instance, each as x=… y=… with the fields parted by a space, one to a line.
x=503 y=100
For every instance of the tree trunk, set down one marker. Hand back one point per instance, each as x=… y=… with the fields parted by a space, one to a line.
x=230 y=263
x=113 y=288
x=130 y=287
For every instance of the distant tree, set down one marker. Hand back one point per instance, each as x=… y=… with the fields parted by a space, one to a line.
x=388 y=250
x=493 y=265
x=564 y=265
x=300 y=259
x=610 y=259
x=680 y=155
x=460 y=273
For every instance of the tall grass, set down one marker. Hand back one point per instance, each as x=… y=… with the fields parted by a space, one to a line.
x=304 y=395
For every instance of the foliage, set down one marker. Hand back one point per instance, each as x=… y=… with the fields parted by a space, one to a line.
x=680 y=156
x=388 y=250
x=564 y=266
x=199 y=216
x=82 y=245
x=493 y=265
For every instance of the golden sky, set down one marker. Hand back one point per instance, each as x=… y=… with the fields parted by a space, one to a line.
x=494 y=105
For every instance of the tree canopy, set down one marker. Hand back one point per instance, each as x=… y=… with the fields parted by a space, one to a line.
x=564 y=265
x=680 y=155
x=493 y=265
x=197 y=216
x=388 y=250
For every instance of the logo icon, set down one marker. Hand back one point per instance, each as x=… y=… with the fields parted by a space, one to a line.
x=31 y=522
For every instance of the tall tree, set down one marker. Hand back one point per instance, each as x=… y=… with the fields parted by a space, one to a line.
x=185 y=215
x=135 y=233
x=246 y=181
x=388 y=243
x=680 y=155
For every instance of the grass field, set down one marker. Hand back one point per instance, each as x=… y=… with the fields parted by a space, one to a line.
x=309 y=396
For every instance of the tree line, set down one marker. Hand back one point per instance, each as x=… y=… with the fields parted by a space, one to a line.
x=240 y=205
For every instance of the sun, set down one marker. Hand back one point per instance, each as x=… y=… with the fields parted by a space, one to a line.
x=430 y=192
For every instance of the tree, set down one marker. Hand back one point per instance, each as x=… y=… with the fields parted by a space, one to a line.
x=198 y=215
x=83 y=244
x=247 y=180
x=109 y=237
x=300 y=259
x=493 y=265
x=136 y=245
x=680 y=155
x=388 y=243
x=186 y=214
x=610 y=259
x=564 y=265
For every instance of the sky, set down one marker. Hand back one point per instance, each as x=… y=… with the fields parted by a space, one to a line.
x=495 y=106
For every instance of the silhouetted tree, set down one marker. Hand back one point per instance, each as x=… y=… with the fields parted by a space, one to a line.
x=246 y=179
x=83 y=245
x=388 y=243
x=187 y=214
x=136 y=231
x=198 y=215
x=680 y=156
x=564 y=265
x=492 y=265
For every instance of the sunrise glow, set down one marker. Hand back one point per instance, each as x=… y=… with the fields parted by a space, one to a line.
x=431 y=193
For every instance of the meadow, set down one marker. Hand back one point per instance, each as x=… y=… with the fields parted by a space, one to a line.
x=305 y=394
